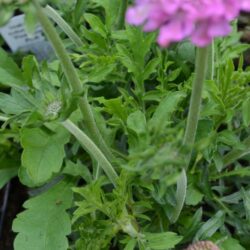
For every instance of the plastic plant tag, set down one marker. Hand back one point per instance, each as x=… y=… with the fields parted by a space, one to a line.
x=18 y=39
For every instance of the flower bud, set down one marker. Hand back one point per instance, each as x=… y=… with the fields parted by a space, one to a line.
x=53 y=109
x=203 y=245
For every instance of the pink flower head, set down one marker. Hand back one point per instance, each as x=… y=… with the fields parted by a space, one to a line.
x=200 y=20
x=245 y=5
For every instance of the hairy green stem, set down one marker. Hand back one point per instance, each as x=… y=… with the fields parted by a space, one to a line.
x=54 y=15
x=195 y=102
x=73 y=79
x=121 y=14
x=67 y=65
x=92 y=128
x=236 y=154
x=3 y=118
x=126 y=224
x=210 y=62
x=92 y=149
x=191 y=127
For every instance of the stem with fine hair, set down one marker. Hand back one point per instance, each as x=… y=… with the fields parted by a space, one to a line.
x=191 y=127
x=73 y=79
x=92 y=149
x=121 y=14
x=3 y=118
x=210 y=62
x=196 y=96
x=53 y=14
x=126 y=225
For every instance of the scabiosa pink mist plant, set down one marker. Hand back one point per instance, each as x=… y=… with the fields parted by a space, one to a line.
x=200 y=20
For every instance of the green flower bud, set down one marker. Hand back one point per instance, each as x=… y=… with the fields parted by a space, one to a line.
x=53 y=109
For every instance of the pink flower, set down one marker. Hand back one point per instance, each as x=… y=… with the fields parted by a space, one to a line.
x=199 y=20
x=245 y=5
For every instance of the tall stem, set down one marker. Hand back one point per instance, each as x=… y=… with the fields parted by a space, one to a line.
x=210 y=62
x=92 y=149
x=195 y=102
x=126 y=222
x=73 y=79
x=3 y=118
x=54 y=15
x=121 y=14
x=67 y=65
x=192 y=122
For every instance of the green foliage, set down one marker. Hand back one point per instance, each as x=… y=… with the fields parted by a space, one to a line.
x=6 y=174
x=140 y=96
x=194 y=196
x=10 y=73
x=245 y=112
x=230 y=244
x=45 y=224
x=164 y=241
x=210 y=226
x=39 y=151
x=9 y=157
x=97 y=231
x=162 y=115
x=6 y=13
x=16 y=103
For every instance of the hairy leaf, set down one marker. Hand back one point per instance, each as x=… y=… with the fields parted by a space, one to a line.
x=164 y=241
x=246 y=112
x=16 y=103
x=10 y=74
x=163 y=112
x=8 y=169
x=231 y=244
x=45 y=224
x=210 y=227
x=6 y=174
x=43 y=152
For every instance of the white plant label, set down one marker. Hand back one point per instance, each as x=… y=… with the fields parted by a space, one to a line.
x=18 y=39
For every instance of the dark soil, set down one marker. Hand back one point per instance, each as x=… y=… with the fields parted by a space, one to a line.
x=17 y=196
